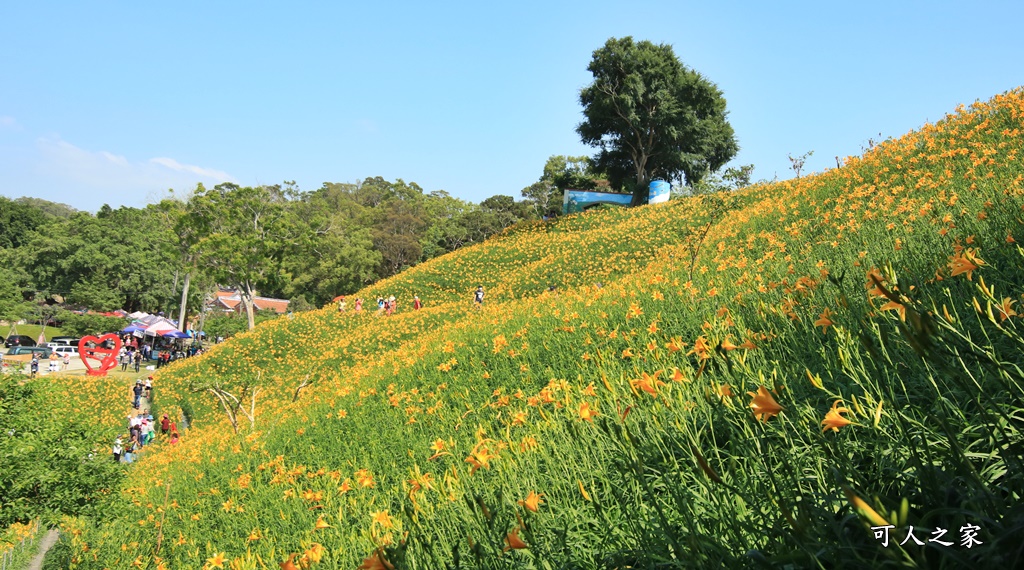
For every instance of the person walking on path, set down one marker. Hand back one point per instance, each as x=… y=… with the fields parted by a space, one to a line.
x=34 y=366
x=138 y=360
x=67 y=361
x=416 y=304
x=478 y=296
x=137 y=392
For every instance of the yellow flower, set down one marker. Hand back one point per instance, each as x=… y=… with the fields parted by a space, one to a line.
x=382 y=518
x=364 y=478
x=321 y=524
x=216 y=561
x=763 y=404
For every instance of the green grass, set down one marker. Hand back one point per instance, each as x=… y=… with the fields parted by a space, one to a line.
x=32 y=331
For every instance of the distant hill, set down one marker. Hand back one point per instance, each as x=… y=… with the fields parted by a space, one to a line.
x=54 y=209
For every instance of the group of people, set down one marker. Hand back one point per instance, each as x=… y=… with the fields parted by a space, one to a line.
x=385 y=305
x=388 y=305
x=133 y=355
x=57 y=363
x=141 y=425
x=127 y=356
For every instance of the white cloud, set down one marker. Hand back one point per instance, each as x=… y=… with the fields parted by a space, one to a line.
x=209 y=173
x=8 y=122
x=91 y=178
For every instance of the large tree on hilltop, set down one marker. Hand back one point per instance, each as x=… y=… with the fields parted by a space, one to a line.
x=238 y=236
x=652 y=117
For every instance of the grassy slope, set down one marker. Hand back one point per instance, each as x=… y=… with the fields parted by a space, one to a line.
x=421 y=433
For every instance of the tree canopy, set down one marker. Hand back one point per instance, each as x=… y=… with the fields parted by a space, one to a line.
x=652 y=117
x=274 y=241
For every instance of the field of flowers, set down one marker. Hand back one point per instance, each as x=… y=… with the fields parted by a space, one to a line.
x=823 y=372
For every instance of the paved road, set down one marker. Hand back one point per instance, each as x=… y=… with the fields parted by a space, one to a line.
x=76 y=365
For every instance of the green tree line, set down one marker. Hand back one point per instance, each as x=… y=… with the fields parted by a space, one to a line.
x=277 y=241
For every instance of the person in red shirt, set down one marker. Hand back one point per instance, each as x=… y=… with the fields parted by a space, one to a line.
x=416 y=304
x=165 y=425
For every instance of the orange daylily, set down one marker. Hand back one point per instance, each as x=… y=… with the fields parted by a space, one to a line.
x=376 y=561
x=587 y=413
x=480 y=457
x=1006 y=309
x=532 y=501
x=834 y=419
x=315 y=552
x=675 y=344
x=823 y=320
x=289 y=564
x=965 y=261
x=700 y=348
x=900 y=309
x=648 y=383
x=763 y=404
x=512 y=541
x=321 y=524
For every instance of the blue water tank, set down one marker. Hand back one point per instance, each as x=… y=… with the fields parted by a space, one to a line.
x=659 y=192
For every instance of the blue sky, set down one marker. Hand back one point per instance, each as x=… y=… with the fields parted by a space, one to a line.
x=117 y=102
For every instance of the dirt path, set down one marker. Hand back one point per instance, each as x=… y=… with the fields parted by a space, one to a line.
x=49 y=539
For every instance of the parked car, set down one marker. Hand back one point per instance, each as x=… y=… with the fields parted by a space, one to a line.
x=19 y=340
x=42 y=351
x=71 y=351
x=66 y=340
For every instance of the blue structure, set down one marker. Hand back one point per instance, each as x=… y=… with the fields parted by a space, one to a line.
x=574 y=201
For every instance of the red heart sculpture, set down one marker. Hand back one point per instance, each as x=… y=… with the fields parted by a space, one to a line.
x=106 y=356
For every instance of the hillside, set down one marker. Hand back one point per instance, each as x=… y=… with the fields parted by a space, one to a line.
x=668 y=404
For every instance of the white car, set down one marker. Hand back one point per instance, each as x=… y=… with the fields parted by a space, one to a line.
x=61 y=350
